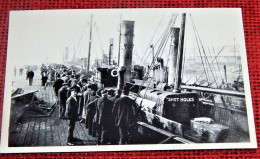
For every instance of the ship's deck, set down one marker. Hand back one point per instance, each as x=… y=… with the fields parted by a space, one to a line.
x=42 y=131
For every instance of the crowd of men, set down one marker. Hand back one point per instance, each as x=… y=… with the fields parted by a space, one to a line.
x=110 y=115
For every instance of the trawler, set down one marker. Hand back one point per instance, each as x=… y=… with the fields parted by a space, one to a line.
x=172 y=111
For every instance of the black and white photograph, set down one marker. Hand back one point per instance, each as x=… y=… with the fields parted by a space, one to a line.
x=126 y=79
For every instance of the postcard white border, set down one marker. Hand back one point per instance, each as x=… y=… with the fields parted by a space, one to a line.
x=7 y=103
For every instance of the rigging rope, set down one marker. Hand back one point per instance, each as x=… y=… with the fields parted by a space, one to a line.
x=212 y=61
x=151 y=39
x=217 y=63
x=200 y=55
x=171 y=22
x=206 y=58
x=81 y=37
x=164 y=45
x=99 y=40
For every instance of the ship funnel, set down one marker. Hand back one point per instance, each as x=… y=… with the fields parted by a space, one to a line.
x=110 y=51
x=173 y=55
x=177 y=84
x=126 y=51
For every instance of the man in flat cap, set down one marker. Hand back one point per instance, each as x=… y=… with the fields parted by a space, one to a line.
x=104 y=108
x=62 y=98
x=72 y=112
x=125 y=112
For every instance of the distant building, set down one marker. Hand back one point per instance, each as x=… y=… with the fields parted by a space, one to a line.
x=66 y=55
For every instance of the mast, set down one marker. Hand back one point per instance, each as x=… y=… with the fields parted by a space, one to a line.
x=119 y=43
x=151 y=46
x=180 y=55
x=90 y=41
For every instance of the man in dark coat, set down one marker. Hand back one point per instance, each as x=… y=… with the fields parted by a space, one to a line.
x=57 y=85
x=44 y=77
x=125 y=114
x=103 y=115
x=91 y=111
x=72 y=107
x=62 y=98
x=86 y=95
x=117 y=96
x=30 y=75
x=114 y=129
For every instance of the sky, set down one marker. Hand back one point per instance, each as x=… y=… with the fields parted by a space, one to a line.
x=37 y=37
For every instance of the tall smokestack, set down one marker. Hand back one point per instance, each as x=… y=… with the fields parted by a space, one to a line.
x=66 y=55
x=127 y=35
x=173 y=55
x=177 y=85
x=110 y=51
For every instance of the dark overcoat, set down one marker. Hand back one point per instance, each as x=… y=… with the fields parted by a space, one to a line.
x=62 y=95
x=91 y=110
x=86 y=95
x=104 y=108
x=124 y=111
x=113 y=99
x=30 y=74
x=72 y=108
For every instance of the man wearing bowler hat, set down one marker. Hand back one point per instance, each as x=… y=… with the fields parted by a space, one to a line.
x=72 y=108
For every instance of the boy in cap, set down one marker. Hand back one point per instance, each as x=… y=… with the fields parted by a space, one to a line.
x=72 y=107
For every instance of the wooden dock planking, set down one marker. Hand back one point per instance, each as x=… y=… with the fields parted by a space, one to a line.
x=23 y=132
x=44 y=131
x=63 y=132
x=63 y=127
x=29 y=133
x=89 y=137
x=90 y=140
x=14 y=135
x=49 y=133
x=81 y=134
x=54 y=122
x=36 y=132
